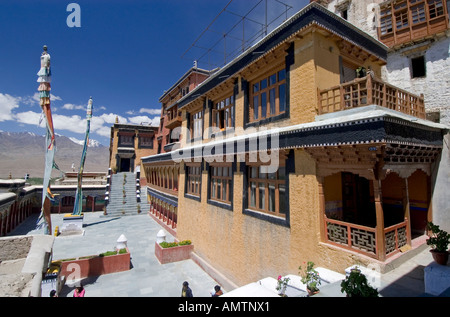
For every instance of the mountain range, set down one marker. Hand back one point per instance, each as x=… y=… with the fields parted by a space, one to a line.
x=24 y=152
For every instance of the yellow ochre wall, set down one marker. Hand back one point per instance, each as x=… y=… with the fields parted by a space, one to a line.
x=246 y=249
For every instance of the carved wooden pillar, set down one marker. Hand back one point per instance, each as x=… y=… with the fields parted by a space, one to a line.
x=323 y=225
x=430 y=200
x=406 y=210
x=381 y=246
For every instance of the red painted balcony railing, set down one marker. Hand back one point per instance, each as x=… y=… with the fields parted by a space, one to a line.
x=370 y=91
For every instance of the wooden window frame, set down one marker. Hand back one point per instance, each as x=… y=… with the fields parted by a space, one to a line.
x=266 y=181
x=196 y=122
x=216 y=179
x=436 y=8
x=146 y=142
x=256 y=93
x=126 y=139
x=409 y=16
x=401 y=15
x=193 y=174
x=386 y=21
x=221 y=108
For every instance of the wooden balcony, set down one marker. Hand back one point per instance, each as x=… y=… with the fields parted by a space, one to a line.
x=370 y=91
x=173 y=122
x=362 y=239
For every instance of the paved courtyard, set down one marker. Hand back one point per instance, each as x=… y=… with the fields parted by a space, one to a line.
x=147 y=276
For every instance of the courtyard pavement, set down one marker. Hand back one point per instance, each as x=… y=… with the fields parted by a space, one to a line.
x=149 y=278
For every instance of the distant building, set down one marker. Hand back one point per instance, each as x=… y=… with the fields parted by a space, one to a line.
x=168 y=136
x=128 y=143
x=17 y=203
x=18 y=200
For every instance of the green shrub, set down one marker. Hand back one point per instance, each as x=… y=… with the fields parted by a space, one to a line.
x=165 y=244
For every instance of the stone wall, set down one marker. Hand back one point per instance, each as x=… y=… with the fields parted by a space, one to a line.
x=435 y=85
x=17 y=247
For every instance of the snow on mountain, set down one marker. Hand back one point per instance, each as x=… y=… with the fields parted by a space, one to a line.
x=92 y=143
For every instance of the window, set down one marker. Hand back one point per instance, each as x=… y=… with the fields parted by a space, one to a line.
x=409 y=20
x=221 y=187
x=418 y=67
x=194 y=177
x=126 y=140
x=401 y=15
x=386 y=21
x=267 y=191
x=418 y=13
x=268 y=96
x=146 y=141
x=197 y=124
x=436 y=8
x=223 y=113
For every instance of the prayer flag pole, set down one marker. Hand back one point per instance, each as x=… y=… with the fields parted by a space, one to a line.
x=44 y=79
x=77 y=208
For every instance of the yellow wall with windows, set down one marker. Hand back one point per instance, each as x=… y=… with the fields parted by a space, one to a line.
x=245 y=248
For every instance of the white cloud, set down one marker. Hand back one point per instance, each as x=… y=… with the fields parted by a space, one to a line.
x=7 y=104
x=140 y=120
x=69 y=106
x=29 y=117
x=111 y=118
x=100 y=124
x=144 y=120
x=150 y=111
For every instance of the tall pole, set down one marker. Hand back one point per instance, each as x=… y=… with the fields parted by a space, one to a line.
x=44 y=79
x=78 y=206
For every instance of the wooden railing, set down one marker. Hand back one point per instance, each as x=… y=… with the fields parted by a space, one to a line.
x=395 y=237
x=370 y=91
x=173 y=119
x=363 y=239
x=352 y=236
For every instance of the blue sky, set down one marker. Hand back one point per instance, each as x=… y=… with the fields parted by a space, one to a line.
x=124 y=54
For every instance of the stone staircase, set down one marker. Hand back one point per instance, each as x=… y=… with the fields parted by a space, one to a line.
x=121 y=204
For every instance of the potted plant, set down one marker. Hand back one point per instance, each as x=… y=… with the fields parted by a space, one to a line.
x=282 y=285
x=361 y=72
x=311 y=278
x=356 y=285
x=439 y=241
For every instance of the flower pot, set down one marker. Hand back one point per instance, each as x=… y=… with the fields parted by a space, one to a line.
x=312 y=292
x=440 y=257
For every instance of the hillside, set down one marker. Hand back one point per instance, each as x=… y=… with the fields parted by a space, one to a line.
x=24 y=152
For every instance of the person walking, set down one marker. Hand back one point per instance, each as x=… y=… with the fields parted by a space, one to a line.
x=186 y=290
x=218 y=291
x=79 y=291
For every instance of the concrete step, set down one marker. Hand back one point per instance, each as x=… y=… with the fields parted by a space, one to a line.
x=116 y=207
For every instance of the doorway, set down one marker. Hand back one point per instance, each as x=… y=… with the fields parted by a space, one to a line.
x=125 y=164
